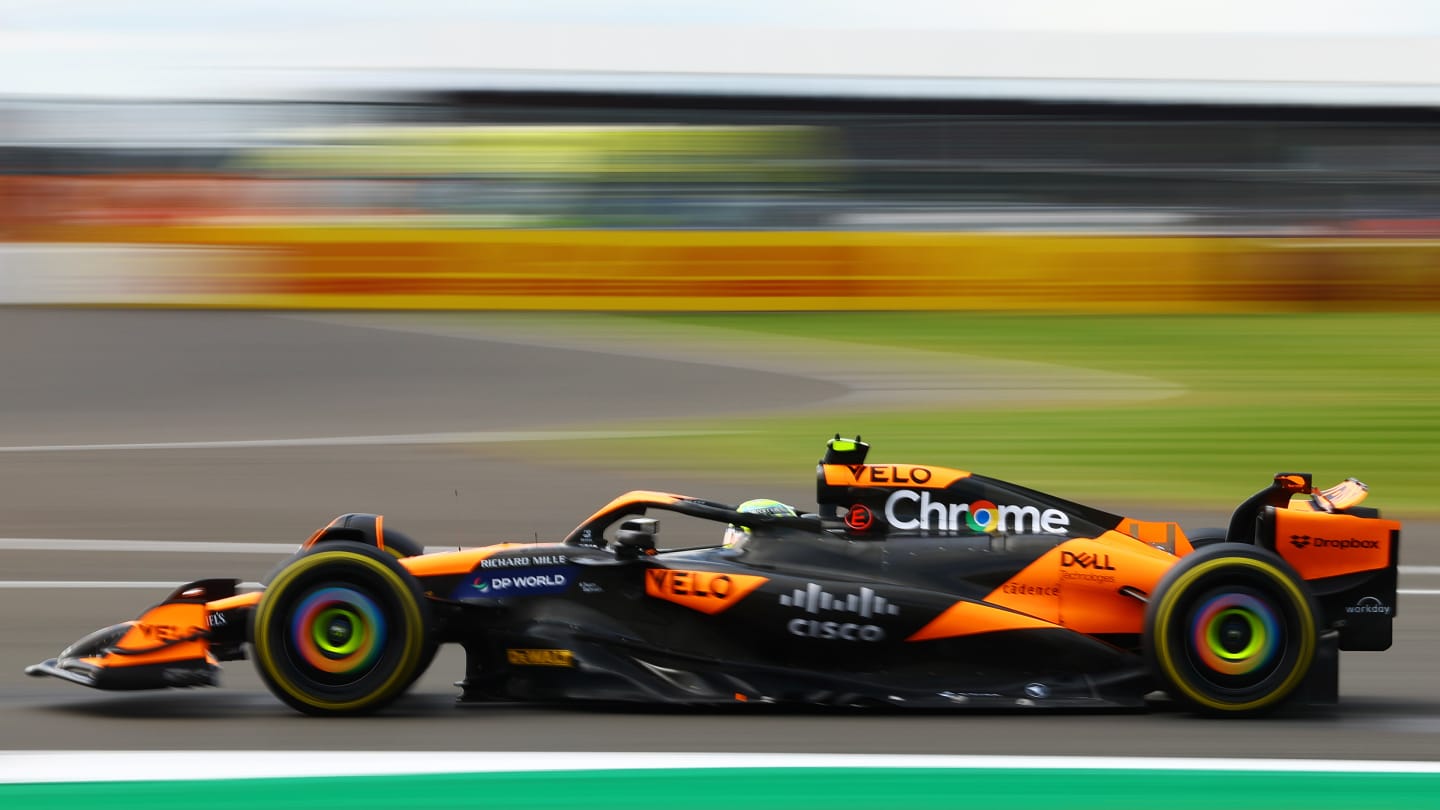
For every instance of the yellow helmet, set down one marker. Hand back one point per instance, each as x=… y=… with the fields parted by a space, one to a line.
x=735 y=536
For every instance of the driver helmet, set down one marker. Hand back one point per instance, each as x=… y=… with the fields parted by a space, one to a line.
x=735 y=536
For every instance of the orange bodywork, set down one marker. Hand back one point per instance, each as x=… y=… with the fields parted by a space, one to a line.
x=910 y=475
x=639 y=496
x=973 y=618
x=1091 y=574
x=1160 y=534
x=1076 y=585
x=1320 y=544
x=458 y=562
x=239 y=600
x=706 y=591
x=165 y=633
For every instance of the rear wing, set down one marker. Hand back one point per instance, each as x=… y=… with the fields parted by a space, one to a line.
x=1347 y=554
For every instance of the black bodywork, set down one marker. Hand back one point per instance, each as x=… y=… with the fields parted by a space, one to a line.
x=828 y=625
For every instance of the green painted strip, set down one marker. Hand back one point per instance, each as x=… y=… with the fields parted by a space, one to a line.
x=764 y=789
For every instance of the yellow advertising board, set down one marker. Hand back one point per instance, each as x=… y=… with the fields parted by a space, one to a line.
x=615 y=270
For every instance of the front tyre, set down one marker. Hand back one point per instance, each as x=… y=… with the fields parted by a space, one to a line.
x=342 y=629
x=1231 y=630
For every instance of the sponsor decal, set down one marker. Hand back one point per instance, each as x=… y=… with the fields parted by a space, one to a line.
x=1369 y=604
x=907 y=509
x=889 y=474
x=845 y=631
x=528 y=582
x=169 y=632
x=591 y=587
x=860 y=518
x=705 y=591
x=1305 y=541
x=1084 y=559
x=540 y=658
x=216 y=620
x=1084 y=566
x=1021 y=589
x=524 y=561
x=815 y=600
x=1085 y=576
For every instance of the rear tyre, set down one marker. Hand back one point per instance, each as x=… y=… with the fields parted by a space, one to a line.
x=1231 y=630
x=342 y=629
x=1206 y=537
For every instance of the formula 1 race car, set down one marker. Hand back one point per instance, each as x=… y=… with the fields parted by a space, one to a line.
x=911 y=586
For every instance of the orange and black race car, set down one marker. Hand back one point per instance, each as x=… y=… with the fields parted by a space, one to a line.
x=911 y=586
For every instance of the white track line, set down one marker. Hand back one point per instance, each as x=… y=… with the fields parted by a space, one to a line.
x=59 y=584
x=478 y=437
x=130 y=546
x=112 y=766
x=222 y=547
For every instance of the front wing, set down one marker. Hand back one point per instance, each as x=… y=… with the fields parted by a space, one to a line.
x=177 y=643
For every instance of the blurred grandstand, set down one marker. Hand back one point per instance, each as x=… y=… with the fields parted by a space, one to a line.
x=549 y=158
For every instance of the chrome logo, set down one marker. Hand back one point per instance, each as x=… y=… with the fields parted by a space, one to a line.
x=908 y=510
x=982 y=516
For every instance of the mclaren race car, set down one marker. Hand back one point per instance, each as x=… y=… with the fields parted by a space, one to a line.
x=910 y=586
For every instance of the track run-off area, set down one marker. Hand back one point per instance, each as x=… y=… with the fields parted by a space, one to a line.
x=143 y=449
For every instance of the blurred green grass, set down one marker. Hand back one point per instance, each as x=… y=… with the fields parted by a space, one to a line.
x=1333 y=394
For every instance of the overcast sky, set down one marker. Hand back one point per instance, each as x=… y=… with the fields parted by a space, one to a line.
x=168 y=47
x=1229 y=16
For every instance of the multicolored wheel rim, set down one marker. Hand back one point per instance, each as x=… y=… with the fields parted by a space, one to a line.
x=1236 y=634
x=339 y=631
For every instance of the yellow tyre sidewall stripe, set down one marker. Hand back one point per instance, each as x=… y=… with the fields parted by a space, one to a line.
x=411 y=619
x=1306 y=632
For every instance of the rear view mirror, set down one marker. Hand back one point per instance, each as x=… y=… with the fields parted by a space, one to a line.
x=636 y=536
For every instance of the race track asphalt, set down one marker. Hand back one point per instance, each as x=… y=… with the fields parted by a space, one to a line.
x=121 y=377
